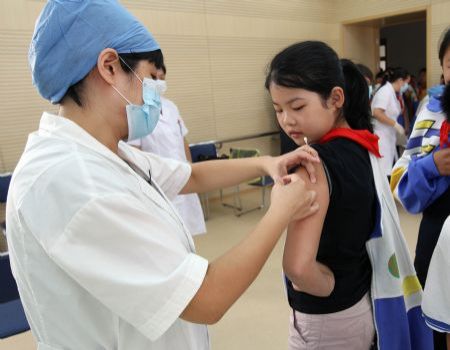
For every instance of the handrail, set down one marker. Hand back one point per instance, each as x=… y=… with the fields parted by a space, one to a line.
x=219 y=143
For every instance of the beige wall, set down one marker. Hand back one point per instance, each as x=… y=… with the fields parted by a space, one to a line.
x=216 y=53
x=20 y=105
x=360 y=44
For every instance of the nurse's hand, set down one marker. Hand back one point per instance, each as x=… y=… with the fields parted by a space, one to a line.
x=278 y=167
x=400 y=134
x=442 y=161
x=291 y=199
x=400 y=130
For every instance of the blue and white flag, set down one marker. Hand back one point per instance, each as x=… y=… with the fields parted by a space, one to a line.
x=396 y=291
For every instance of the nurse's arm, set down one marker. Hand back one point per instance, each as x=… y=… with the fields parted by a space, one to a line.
x=187 y=150
x=232 y=273
x=302 y=243
x=380 y=115
x=216 y=174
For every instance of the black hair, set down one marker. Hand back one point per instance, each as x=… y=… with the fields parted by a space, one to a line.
x=445 y=102
x=392 y=74
x=314 y=66
x=444 y=45
x=365 y=71
x=163 y=68
x=128 y=62
x=380 y=74
x=132 y=59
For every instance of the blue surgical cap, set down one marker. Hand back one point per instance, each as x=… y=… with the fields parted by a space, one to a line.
x=70 y=34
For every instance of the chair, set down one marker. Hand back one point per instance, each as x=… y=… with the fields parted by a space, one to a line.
x=201 y=152
x=261 y=182
x=12 y=315
x=5 y=179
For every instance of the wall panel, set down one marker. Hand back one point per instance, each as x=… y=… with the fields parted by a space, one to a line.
x=216 y=52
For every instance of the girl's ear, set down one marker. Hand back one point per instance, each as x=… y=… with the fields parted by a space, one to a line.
x=337 y=98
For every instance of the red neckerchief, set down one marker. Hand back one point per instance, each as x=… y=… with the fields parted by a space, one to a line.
x=362 y=137
x=445 y=129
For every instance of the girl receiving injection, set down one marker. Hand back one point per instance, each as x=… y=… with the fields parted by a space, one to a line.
x=323 y=100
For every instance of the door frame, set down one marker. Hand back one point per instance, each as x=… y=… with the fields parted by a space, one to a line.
x=365 y=20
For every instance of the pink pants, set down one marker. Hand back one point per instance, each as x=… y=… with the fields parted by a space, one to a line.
x=350 y=329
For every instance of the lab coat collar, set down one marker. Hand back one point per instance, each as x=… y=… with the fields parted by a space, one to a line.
x=61 y=127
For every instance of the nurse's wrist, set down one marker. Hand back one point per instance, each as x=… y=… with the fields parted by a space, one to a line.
x=398 y=128
x=266 y=165
x=279 y=214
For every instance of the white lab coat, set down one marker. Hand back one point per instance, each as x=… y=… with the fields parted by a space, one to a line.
x=167 y=140
x=386 y=99
x=102 y=259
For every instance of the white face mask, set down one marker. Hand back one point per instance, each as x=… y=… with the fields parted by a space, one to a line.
x=161 y=86
x=404 y=87
x=142 y=119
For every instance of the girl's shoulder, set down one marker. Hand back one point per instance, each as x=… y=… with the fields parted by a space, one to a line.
x=343 y=154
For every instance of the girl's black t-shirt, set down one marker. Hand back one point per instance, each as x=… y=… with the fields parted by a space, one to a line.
x=349 y=222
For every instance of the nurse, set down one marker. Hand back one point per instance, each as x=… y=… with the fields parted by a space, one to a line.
x=385 y=109
x=169 y=140
x=101 y=258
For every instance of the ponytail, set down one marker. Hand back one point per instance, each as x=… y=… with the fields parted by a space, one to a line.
x=386 y=74
x=392 y=74
x=356 y=106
